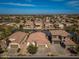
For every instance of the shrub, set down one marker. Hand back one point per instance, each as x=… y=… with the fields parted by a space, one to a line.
x=32 y=49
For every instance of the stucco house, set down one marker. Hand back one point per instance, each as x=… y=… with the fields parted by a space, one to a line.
x=38 y=24
x=39 y=38
x=16 y=39
x=29 y=25
x=59 y=35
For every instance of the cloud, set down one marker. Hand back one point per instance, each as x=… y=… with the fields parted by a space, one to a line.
x=28 y=0
x=73 y=3
x=57 y=0
x=19 y=4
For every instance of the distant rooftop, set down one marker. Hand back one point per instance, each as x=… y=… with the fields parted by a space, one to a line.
x=60 y=32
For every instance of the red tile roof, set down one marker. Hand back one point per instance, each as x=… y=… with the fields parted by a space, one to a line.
x=60 y=32
x=18 y=36
x=69 y=42
x=38 y=37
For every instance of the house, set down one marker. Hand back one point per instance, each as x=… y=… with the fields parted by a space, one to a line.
x=28 y=25
x=39 y=38
x=38 y=24
x=69 y=43
x=16 y=39
x=68 y=24
x=59 y=35
x=47 y=19
x=61 y=26
x=17 y=43
x=49 y=25
x=41 y=41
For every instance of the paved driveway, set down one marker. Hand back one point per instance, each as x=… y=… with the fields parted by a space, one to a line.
x=42 y=51
x=61 y=51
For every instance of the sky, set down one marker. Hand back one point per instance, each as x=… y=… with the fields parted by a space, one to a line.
x=39 y=6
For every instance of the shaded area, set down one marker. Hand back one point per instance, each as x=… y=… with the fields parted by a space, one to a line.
x=48 y=33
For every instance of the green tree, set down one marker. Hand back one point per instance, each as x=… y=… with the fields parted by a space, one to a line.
x=32 y=49
x=2 y=35
x=7 y=32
